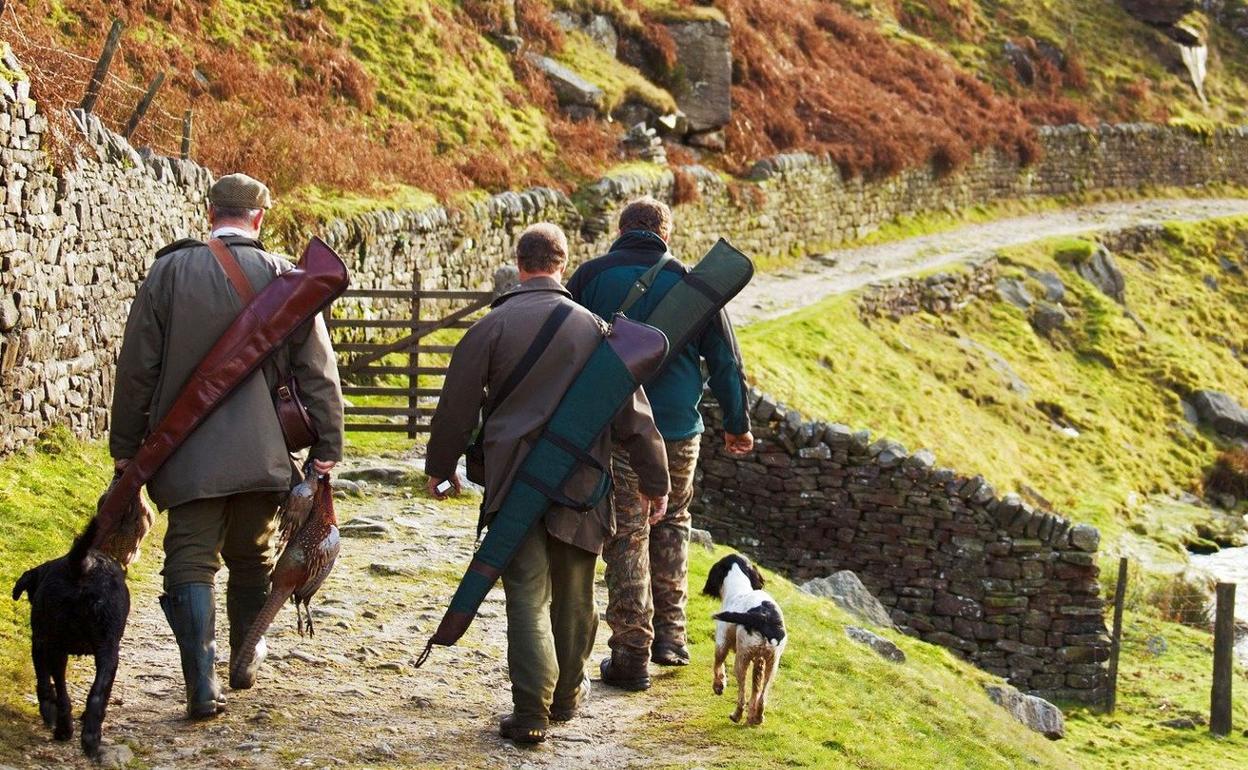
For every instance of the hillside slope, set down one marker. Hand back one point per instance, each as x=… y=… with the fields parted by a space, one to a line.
x=1088 y=420
x=397 y=101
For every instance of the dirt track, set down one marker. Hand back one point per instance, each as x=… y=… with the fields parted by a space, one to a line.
x=350 y=697
x=812 y=279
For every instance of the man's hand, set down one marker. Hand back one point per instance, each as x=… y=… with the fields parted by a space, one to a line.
x=655 y=506
x=323 y=466
x=432 y=486
x=739 y=443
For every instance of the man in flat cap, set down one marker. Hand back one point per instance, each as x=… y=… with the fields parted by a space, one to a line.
x=222 y=488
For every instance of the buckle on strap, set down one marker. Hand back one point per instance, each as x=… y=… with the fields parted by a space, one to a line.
x=283 y=392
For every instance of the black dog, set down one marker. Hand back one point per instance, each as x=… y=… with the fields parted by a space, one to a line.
x=79 y=604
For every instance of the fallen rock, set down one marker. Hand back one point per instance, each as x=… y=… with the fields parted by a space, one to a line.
x=883 y=647
x=1037 y=713
x=1024 y=67
x=1102 y=271
x=1048 y=317
x=1054 y=288
x=1014 y=292
x=380 y=474
x=570 y=89
x=702 y=537
x=347 y=488
x=362 y=527
x=391 y=570
x=117 y=756
x=851 y=595
x=1221 y=412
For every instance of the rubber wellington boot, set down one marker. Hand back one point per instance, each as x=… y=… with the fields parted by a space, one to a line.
x=242 y=605
x=192 y=614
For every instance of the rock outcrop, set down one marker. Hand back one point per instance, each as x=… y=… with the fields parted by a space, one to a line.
x=704 y=59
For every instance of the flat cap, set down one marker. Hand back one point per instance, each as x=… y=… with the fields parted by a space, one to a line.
x=239 y=191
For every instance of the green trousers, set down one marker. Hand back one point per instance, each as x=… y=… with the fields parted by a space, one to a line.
x=238 y=529
x=551 y=624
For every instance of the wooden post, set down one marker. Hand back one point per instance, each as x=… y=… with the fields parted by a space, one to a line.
x=1115 y=644
x=187 y=117
x=101 y=67
x=144 y=105
x=413 y=358
x=1223 y=660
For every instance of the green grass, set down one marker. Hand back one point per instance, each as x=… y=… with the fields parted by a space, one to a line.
x=935 y=381
x=837 y=704
x=1154 y=688
x=46 y=497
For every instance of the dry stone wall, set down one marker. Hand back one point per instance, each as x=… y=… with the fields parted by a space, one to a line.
x=1008 y=587
x=74 y=243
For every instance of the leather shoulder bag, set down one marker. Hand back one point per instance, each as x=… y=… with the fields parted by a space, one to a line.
x=292 y=416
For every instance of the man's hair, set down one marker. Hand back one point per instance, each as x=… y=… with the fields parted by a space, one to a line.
x=648 y=214
x=542 y=248
x=241 y=215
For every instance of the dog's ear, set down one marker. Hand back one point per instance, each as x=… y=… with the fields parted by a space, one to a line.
x=28 y=582
x=715 y=579
x=756 y=577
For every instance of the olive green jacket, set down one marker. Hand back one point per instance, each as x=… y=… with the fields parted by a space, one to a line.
x=181 y=310
x=483 y=361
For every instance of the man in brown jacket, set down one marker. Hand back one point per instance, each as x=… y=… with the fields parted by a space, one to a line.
x=549 y=585
x=222 y=488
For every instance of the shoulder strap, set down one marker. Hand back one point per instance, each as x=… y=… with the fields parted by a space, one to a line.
x=233 y=270
x=644 y=283
x=544 y=335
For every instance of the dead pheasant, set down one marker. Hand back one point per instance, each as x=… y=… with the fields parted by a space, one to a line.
x=309 y=547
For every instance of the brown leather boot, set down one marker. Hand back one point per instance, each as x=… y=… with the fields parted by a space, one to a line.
x=626 y=673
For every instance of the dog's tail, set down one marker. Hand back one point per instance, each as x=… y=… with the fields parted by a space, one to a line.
x=27 y=583
x=78 y=552
x=764 y=620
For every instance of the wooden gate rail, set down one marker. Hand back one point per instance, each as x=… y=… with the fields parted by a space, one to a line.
x=364 y=359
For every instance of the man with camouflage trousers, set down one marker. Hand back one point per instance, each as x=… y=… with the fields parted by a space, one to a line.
x=647 y=558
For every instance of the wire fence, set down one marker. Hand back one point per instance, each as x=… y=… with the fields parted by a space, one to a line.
x=59 y=79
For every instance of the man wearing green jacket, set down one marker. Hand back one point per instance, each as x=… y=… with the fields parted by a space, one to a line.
x=223 y=486
x=647 y=558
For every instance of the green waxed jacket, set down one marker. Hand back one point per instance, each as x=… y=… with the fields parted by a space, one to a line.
x=181 y=310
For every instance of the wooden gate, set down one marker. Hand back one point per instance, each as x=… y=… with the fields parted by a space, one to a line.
x=400 y=359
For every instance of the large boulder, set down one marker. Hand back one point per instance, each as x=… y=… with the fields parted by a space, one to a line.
x=851 y=595
x=1221 y=412
x=1036 y=713
x=704 y=60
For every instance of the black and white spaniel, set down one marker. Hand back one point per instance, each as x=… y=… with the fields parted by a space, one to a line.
x=751 y=625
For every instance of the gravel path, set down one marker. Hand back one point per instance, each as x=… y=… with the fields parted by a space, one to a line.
x=775 y=294
x=350 y=697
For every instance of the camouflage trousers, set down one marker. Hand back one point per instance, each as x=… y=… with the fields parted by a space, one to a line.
x=648 y=567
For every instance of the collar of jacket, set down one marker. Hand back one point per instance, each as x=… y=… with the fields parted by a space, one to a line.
x=230 y=240
x=539 y=283
x=639 y=240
